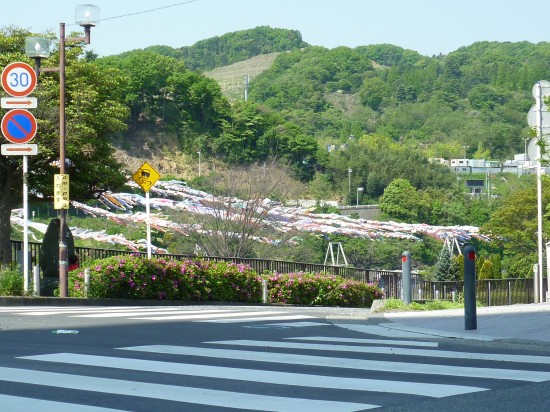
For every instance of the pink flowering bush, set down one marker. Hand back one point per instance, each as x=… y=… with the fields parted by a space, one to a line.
x=320 y=289
x=136 y=277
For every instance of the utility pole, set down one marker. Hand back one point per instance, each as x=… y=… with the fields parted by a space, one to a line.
x=246 y=80
x=349 y=186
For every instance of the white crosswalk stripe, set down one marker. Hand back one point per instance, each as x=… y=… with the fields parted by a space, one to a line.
x=164 y=314
x=21 y=404
x=348 y=363
x=360 y=379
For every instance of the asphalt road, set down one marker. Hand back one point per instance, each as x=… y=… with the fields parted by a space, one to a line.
x=207 y=358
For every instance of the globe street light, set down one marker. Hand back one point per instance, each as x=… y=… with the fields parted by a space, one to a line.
x=87 y=16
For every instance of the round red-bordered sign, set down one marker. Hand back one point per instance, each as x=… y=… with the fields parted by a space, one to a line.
x=18 y=79
x=19 y=126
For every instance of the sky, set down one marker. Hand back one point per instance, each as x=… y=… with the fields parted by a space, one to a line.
x=429 y=27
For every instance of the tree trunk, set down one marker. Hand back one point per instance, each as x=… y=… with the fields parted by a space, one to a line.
x=6 y=183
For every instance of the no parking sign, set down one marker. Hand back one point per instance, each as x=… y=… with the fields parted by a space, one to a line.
x=19 y=126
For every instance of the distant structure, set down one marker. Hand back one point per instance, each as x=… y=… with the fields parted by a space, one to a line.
x=519 y=165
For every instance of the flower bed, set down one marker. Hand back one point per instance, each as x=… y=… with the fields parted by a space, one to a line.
x=135 y=277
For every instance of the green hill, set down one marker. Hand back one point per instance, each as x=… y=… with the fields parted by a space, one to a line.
x=234 y=47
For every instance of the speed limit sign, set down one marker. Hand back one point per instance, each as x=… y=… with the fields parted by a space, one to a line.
x=18 y=79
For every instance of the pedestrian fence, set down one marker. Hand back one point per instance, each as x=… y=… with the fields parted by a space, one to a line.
x=489 y=292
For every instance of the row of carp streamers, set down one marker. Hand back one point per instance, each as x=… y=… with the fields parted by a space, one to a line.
x=176 y=195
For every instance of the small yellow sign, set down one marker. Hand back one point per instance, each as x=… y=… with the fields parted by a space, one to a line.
x=146 y=176
x=61 y=191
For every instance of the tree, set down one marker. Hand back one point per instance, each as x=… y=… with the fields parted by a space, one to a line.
x=93 y=111
x=513 y=227
x=373 y=92
x=239 y=221
x=400 y=201
x=443 y=266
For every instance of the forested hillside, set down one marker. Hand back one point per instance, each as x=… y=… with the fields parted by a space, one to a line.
x=234 y=47
x=475 y=98
x=338 y=119
x=382 y=110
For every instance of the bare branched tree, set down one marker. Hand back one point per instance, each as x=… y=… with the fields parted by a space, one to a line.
x=242 y=217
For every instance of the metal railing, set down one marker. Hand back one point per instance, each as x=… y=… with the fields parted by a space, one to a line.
x=491 y=292
x=259 y=265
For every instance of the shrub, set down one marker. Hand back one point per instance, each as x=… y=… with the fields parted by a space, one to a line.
x=11 y=282
x=320 y=289
x=135 y=277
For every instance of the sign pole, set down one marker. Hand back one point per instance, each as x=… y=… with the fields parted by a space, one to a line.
x=146 y=177
x=19 y=127
x=148 y=219
x=538 y=97
x=25 y=225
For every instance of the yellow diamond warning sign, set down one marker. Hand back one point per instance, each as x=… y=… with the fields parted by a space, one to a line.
x=146 y=176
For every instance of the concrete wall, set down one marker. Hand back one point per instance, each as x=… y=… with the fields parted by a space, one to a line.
x=368 y=212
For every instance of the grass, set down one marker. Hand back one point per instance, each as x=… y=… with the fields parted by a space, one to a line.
x=398 y=305
x=11 y=281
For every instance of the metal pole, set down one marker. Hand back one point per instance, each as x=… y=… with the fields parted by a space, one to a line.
x=470 y=315
x=36 y=280
x=406 y=274
x=63 y=258
x=148 y=218
x=25 y=225
x=536 y=283
x=547 y=269
x=246 y=79
x=87 y=281
x=349 y=186
x=199 y=153
x=539 y=185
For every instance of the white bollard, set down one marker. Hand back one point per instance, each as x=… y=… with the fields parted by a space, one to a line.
x=87 y=281
x=36 y=280
x=25 y=281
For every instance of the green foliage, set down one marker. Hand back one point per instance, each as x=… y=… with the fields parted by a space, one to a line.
x=398 y=305
x=160 y=90
x=442 y=270
x=457 y=267
x=136 y=277
x=237 y=46
x=320 y=289
x=513 y=228
x=485 y=270
x=400 y=201
x=11 y=281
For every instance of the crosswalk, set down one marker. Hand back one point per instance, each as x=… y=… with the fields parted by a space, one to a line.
x=321 y=373
x=169 y=314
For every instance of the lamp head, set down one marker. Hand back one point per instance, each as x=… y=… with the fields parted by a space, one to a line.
x=87 y=15
x=37 y=47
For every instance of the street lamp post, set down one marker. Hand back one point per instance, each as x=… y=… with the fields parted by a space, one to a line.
x=86 y=15
x=349 y=185
x=359 y=189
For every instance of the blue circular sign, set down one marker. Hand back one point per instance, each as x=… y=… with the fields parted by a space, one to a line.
x=19 y=126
